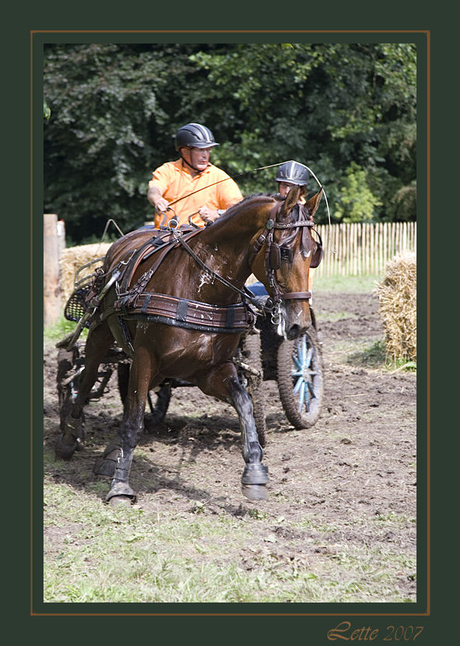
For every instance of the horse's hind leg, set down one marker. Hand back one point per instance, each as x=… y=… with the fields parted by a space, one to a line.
x=98 y=343
x=225 y=385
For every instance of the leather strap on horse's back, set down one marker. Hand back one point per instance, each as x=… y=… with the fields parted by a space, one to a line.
x=134 y=302
x=182 y=312
x=161 y=243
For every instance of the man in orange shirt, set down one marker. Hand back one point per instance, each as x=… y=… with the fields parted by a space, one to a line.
x=191 y=187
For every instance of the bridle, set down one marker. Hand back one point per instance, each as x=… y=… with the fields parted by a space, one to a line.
x=276 y=253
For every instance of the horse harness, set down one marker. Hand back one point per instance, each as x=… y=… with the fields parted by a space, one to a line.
x=134 y=303
x=276 y=253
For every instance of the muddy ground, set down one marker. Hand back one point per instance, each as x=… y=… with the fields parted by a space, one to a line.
x=357 y=462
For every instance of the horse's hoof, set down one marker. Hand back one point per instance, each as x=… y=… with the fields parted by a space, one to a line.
x=255 y=473
x=120 y=501
x=122 y=491
x=255 y=492
x=63 y=450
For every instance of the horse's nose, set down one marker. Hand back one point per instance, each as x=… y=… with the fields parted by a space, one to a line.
x=295 y=331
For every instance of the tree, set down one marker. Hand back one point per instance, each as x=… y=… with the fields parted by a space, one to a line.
x=348 y=111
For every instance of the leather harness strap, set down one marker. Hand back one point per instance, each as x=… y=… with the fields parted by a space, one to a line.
x=134 y=302
x=292 y=296
x=192 y=314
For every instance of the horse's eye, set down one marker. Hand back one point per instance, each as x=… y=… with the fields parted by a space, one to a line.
x=287 y=254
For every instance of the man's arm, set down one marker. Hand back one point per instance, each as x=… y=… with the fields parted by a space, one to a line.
x=156 y=199
x=228 y=194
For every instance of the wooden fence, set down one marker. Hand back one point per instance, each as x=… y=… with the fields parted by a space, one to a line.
x=358 y=249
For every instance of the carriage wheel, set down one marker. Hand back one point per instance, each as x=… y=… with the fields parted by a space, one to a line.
x=158 y=409
x=254 y=382
x=67 y=386
x=300 y=379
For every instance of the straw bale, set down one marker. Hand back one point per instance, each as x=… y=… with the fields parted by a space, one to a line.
x=72 y=259
x=397 y=295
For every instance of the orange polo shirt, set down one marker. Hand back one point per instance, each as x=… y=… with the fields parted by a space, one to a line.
x=175 y=181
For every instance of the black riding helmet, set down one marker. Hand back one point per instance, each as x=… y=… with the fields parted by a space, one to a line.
x=194 y=135
x=293 y=172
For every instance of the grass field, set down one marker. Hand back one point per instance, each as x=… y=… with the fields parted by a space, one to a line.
x=183 y=549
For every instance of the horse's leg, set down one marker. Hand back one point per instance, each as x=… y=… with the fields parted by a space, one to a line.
x=98 y=343
x=224 y=384
x=131 y=428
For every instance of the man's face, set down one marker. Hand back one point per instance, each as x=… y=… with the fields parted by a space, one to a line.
x=284 y=188
x=197 y=157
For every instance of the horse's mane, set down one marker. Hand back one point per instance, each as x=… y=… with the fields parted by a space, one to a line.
x=250 y=199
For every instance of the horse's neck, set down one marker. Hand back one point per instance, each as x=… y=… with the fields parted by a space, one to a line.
x=230 y=241
x=236 y=232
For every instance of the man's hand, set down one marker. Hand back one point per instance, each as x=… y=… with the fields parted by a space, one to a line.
x=208 y=215
x=161 y=205
x=157 y=200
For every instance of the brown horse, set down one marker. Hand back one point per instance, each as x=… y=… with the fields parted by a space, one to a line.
x=179 y=310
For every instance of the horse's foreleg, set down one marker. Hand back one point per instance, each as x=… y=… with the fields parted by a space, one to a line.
x=225 y=385
x=130 y=429
x=98 y=343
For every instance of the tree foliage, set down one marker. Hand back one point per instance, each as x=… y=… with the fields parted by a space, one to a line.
x=348 y=111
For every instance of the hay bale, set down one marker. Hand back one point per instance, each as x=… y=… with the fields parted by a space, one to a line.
x=72 y=259
x=397 y=295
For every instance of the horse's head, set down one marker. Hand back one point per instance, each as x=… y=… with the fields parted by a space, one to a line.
x=283 y=263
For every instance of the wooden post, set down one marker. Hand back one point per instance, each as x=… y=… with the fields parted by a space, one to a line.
x=51 y=290
x=60 y=225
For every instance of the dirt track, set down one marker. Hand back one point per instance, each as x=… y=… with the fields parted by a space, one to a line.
x=353 y=474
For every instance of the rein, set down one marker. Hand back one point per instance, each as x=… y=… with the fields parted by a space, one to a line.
x=254 y=170
x=244 y=293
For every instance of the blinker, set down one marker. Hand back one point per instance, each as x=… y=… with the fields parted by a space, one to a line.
x=275 y=256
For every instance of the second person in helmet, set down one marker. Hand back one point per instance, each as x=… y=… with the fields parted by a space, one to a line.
x=203 y=191
x=291 y=174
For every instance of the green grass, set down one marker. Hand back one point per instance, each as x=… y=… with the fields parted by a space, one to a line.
x=96 y=553
x=61 y=329
x=350 y=284
x=375 y=356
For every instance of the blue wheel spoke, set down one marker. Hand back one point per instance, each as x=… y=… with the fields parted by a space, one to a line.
x=302 y=396
x=303 y=349
x=297 y=361
x=303 y=373
x=298 y=385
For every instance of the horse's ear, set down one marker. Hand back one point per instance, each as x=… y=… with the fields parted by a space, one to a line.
x=313 y=203
x=291 y=199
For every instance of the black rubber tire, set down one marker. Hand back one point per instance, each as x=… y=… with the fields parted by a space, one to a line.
x=252 y=356
x=300 y=379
